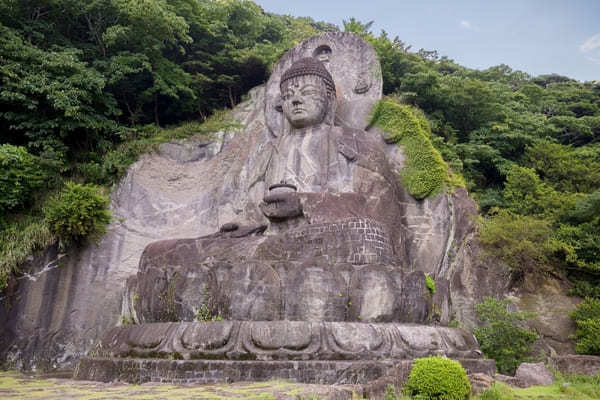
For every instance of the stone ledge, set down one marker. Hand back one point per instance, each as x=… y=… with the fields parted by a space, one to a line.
x=135 y=370
x=576 y=364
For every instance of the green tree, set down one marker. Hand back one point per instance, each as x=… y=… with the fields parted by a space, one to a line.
x=580 y=233
x=587 y=320
x=20 y=175
x=565 y=168
x=504 y=337
x=525 y=243
x=393 y=54
x=51 y=99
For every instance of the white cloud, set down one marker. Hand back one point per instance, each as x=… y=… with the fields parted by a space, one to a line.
x=466 y=24
x=593 y=59
x=591 y=43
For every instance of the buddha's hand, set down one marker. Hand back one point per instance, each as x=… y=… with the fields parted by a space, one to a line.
x=281 y=206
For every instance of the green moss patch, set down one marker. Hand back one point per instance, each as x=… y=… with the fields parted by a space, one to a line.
x=14 y=385
x=426 y=173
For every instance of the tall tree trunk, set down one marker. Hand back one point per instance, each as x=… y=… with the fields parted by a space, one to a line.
x=156 y=121
x=231 y=99
x=97 y=35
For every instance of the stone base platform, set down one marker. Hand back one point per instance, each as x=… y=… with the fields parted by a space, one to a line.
x=136 y=370
x=286 y=341
x=299 y=351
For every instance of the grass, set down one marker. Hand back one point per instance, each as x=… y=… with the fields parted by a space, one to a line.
x=14 y=385
x=21 y=238
x=573 y=387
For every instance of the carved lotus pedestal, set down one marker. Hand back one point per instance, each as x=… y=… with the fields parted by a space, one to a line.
x=310 y=352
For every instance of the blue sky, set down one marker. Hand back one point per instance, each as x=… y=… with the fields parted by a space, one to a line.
x=535 y=36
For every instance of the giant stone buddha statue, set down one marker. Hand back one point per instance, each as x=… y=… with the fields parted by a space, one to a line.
x=320 y=279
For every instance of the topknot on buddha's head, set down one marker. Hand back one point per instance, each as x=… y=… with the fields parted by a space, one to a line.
x=309 y=66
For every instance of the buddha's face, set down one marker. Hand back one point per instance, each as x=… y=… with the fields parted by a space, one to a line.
x=305 y=100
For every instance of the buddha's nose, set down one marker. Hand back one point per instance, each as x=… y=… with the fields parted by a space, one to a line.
x=296 y=101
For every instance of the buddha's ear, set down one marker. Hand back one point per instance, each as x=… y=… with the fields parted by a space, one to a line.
x=278 y=104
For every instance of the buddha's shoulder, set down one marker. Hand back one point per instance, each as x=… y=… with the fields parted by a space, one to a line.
x=361 y=139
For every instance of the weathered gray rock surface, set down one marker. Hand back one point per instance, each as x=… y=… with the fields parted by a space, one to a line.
x=530 y=374
x=576 y=364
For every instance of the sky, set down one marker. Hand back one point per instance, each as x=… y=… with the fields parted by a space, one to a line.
x=534 y=36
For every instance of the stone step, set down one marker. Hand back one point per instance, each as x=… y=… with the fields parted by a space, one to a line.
x=135 y=370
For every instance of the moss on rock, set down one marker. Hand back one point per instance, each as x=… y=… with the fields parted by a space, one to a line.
x=426 y=173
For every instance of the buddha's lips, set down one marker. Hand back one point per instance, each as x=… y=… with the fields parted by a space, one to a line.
x=298 y=110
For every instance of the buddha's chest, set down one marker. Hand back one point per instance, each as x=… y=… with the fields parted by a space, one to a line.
x=312 y=162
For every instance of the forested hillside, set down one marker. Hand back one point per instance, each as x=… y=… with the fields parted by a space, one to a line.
x=88 y=86
x=529 y=148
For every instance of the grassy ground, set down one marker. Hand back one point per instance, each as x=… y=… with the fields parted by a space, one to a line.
x=564 y=388
x=14 y=385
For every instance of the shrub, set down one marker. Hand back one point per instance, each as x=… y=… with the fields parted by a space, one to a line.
x=438 y=378
x=430 y=283
x=587 y=320
x=77 y=213
x=20 y=175
x=503 y=339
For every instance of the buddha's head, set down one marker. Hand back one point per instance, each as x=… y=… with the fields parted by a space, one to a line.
x=308 y=94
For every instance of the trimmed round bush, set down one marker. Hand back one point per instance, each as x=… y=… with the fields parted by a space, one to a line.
x=79 y=212
x=438 y=377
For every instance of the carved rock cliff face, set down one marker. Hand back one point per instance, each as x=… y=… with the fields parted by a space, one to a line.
x=185 y=189
x=62 y=307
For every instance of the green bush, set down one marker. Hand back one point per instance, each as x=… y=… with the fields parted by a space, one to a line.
x=503 y=338
x=77 y=213
x=430 y=283
x=438 y=378
x=20 y=175
x=587 y=320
